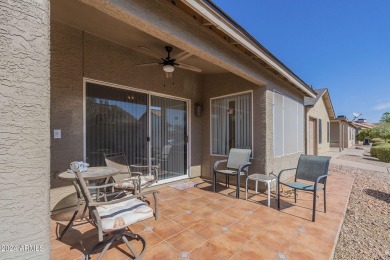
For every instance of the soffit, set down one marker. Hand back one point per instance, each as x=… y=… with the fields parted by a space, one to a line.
x=208 y=14
x=82 y=16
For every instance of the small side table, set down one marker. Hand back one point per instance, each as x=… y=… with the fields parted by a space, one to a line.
x=262 y=178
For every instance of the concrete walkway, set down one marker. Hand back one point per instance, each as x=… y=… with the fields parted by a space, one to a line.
x=335 y=154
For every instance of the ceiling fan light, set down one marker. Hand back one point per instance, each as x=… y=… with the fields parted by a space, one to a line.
x=168 y=68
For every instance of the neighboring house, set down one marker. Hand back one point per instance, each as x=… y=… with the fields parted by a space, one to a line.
x=249 y=98
x=319 y=112
x=342 y=133
x=361 y=124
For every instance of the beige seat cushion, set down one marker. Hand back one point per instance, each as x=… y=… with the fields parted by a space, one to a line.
x=120 y=215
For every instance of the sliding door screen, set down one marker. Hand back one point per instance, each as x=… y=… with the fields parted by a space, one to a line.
x=169 y=136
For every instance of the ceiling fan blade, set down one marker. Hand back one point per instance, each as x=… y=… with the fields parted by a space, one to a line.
x=182 y=56
x=150 y=52
x=146 y=64
x=189 y=67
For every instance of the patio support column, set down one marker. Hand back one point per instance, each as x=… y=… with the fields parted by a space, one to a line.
x=24 y=129
x=340 y=136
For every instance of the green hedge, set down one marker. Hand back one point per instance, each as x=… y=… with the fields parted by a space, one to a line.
x=382 y=152
x=376 y=140
x=373 y=151
x=378 y=143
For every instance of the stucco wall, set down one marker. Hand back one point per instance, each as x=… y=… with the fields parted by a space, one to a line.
x=344 y=134
x=221 y=85
x=24 y=124
x=99 y=59
x=318 y=111
x=349 y=136
x=334 y=134
x=276 y=164
x=263 y=160
x=76 y=55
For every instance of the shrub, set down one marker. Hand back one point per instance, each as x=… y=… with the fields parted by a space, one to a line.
x=383 y=153
x=376 y=140
x=374 y=149
x=377 y=143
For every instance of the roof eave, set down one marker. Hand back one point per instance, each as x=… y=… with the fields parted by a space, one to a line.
x=329 y=105
x=220 y=19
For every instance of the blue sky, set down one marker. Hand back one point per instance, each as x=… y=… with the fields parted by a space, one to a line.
x=342 y=45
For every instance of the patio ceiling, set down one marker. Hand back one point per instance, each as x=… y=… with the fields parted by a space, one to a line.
x=91 y=20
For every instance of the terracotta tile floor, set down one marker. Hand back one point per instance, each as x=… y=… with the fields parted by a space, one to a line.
x=198 y=224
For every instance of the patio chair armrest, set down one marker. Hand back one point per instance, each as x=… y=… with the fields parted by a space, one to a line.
x=217 y=163
x=320 y=178
x=285 y=170
x=144 y=166
x=243 y=166
x=154 y=168
x=101 y=186
x=136 y=174
x=135 y=196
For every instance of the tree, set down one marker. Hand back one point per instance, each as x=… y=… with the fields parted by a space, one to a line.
x=363 y=134
x=385 y=118
x=381 y=131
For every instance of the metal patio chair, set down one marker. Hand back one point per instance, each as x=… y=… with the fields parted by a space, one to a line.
x=131 y=177
x=313 y=170
x=113 y=217
x=236 y=165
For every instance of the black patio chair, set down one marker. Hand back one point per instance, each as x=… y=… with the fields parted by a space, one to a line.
x=313 y=170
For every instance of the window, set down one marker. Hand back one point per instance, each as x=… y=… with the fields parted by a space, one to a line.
x=231 y=123
x=288 y=118
x=328 y=132
x=320 y=131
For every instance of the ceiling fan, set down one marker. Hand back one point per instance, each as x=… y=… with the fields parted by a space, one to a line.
x=169 y=63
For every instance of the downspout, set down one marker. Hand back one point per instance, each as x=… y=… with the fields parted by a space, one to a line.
x=340 y=136
x=343 y=136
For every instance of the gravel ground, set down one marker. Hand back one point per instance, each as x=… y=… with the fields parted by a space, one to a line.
x=365 y=233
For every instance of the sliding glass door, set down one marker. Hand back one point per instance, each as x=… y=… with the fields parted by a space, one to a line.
x=116 y=121
x=169 y=136
x=147 y=128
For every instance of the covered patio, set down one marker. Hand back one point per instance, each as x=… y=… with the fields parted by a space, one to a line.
x=196 y=223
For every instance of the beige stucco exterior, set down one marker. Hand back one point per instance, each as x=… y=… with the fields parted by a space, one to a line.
x=88 y=60
x=24 y=134
x=343 y=134
x=46 y=92
x=318 y=112
x=112 y=64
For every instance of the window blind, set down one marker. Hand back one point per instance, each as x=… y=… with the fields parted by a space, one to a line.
x=288 y=124
x=231 y=123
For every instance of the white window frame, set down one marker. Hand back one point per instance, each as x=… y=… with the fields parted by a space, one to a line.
x=211 y=125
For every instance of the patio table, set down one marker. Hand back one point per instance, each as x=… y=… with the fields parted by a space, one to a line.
x=268 y=179
x=92 y=173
